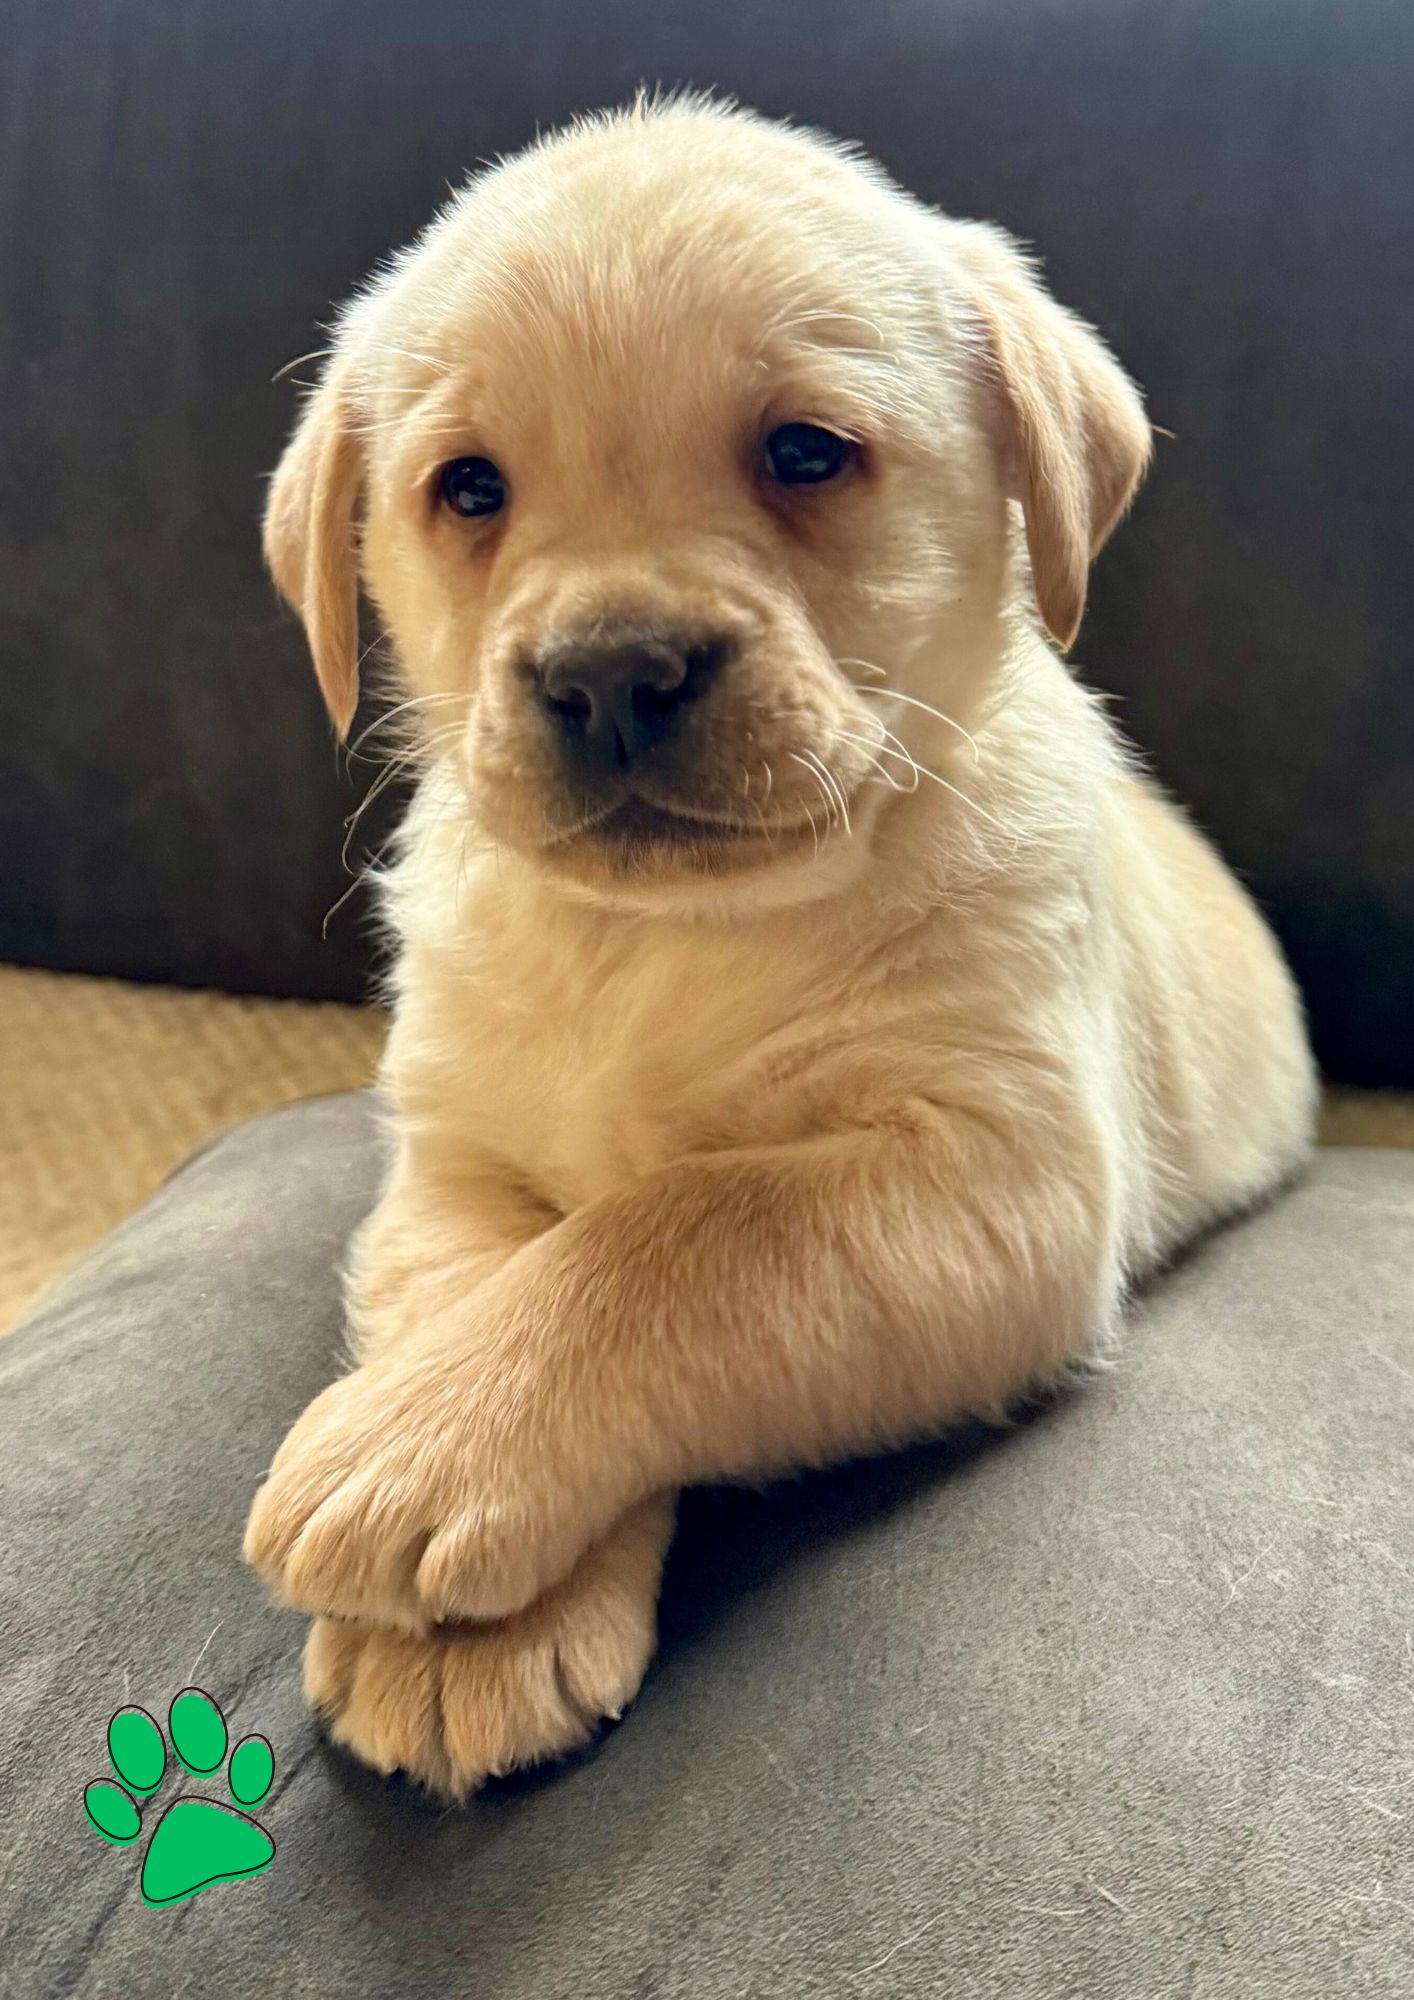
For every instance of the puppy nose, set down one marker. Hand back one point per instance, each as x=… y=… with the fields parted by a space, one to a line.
x=617 y=697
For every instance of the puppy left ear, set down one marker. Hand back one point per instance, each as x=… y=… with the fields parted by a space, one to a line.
x=311 y=539
x=1070 y=427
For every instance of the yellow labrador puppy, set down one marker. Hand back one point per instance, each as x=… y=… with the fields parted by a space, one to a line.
x=809 y=1018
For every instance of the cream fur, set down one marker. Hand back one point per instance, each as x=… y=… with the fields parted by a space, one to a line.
x=718 y=1157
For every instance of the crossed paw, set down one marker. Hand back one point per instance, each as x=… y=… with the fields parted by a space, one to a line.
x=378 y=1507
x=477 y=1606
x=457 y=1705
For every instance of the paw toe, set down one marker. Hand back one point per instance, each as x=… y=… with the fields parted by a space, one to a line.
x=503 y=1707
x=355 y=1558
x=380 y=1695
x=602 y=1661
x=487 y=1567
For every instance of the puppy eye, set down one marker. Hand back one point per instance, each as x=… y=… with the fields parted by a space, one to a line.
x=472 y=486
x=806 y=454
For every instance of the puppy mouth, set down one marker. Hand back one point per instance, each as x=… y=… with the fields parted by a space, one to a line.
x=638 y=821
x=634 y=828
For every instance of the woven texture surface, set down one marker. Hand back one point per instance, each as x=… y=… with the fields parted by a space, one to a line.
x=105 y=1088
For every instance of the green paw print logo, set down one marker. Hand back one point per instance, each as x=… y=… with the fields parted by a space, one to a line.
x=197 y=1841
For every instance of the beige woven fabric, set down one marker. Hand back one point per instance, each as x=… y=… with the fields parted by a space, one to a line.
x=1368 y=1118
x=104 y=1088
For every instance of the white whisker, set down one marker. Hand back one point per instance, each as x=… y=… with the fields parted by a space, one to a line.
x=870 y=749
x=768 y=832
x=811 y=817
x=407 y=354
x=836 y=789
x=909 y=700
x=356 y=882
x=414 y=755
x=315 y=354
x=874 y=765
x=912 y=701
x=390 y=716
x=972 y=804
x=808 y=763
x=891 y=746
x=820 y=786
x=191 y=1677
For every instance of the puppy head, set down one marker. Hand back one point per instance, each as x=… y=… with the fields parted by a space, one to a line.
x=676 y=456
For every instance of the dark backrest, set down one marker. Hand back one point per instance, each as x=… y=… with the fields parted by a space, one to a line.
x=1224 y=186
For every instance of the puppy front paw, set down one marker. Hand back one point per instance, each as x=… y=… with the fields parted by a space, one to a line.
x=458 y=1705
x=399 y=1501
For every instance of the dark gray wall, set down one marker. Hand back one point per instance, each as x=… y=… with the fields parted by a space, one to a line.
x=1224 y=185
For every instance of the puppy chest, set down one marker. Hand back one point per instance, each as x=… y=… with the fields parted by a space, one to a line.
x=579 y=1100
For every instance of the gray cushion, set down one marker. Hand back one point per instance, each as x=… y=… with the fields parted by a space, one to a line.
x=1115 y=1704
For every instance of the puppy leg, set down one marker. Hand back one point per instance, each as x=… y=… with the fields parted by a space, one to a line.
x=435 y=1235
x=730 y=1316
x=416 y=1263
x=462 y=1703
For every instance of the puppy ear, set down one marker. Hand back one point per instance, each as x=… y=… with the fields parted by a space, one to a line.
x=1070 y=426
x=311 y=539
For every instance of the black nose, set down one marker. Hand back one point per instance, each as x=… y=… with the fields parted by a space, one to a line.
x=617 y=696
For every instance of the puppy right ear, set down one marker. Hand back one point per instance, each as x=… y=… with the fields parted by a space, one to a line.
x=1072 y=435
x=311 y=539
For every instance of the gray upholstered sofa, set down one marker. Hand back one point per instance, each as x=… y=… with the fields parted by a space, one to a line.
x=1117 y=1705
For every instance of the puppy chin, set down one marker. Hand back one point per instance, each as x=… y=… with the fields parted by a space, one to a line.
x=640 y=857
